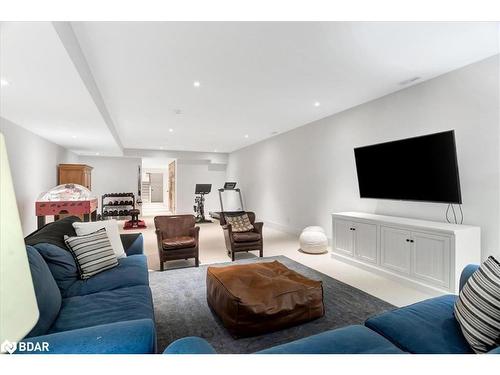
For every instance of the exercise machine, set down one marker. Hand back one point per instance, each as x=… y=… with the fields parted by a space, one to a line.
x=228 y=186
x=199 y=202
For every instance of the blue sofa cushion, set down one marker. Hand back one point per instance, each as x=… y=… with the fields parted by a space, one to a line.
x=427 y=327
x=62 y=265
x=466 y=273
x=116 y=305
x=130 y=337
x=495 y=351
x=47 y=293
x=131 y=271
x=353 y=339
x=133 y=243
x=190 y=345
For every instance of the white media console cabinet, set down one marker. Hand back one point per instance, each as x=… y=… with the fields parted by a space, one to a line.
x=427 y=254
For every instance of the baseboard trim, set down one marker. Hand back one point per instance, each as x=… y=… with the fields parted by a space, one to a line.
x=282 y=228
x=288 y=229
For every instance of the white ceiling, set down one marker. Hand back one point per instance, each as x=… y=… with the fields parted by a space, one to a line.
x=45 y=93
x=156 y=163
x=256 y=78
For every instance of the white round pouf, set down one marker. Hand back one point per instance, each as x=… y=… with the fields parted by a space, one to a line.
x=314 y=228
x=313 y=241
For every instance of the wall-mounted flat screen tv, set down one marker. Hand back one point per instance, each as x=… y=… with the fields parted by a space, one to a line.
x=422 y=168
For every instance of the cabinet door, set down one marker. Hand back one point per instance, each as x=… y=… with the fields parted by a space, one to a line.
x=365 y=241
x=395 y=249
x=343 y=237
x=431 y=258
x=71 y=176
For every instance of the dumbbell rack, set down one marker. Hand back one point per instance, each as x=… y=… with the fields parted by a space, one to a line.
x=117 y=205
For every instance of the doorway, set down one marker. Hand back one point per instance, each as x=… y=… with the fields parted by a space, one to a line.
x=156 y=182
x=158 y=195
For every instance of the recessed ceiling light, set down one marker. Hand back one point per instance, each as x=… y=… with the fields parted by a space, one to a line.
x=215 y=150
x=161 y=147
x=317 y=104
x=73 y=136
x=97 y=153
x=171 y=130
x=4 y=82
x=246 y=135
x=196 y=84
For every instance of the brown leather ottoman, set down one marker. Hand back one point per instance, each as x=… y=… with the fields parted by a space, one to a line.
x=251 y=299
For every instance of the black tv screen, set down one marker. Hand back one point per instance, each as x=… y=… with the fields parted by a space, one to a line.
x=417 y=169
x=202 y=188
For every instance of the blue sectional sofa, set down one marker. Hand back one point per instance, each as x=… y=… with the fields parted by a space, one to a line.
x=111 y=312
x=425 y=327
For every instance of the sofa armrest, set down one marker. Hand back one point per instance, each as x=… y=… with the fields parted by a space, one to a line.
x=494 y=351
x=228 y=228
x=195 y=232
x=258 y=227
x=133 y=243
x=129 y=337
x=190 y=345
x=466 y=273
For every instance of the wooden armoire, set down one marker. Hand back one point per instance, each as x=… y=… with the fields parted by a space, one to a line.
x=80 y=174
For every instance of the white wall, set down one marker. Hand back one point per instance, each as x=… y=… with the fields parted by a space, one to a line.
x=119 y=174
x=33 y=163
x=190 y=173
x=300 y=177
x=164 y=172
x=113 y=174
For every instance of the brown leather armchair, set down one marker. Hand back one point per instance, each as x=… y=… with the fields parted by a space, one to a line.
x=243 y=241
x=177 y=238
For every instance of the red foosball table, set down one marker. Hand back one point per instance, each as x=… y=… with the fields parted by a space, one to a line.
x=68 y=199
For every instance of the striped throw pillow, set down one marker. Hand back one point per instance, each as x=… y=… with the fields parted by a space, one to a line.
x=93 y=252
x=477 y=308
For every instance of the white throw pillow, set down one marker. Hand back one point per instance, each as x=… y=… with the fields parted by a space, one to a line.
x=111 y=227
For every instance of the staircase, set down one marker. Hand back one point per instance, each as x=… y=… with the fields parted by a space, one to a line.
x=146 y=192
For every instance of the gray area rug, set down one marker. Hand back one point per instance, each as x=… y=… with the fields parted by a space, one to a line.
x=181 y=309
